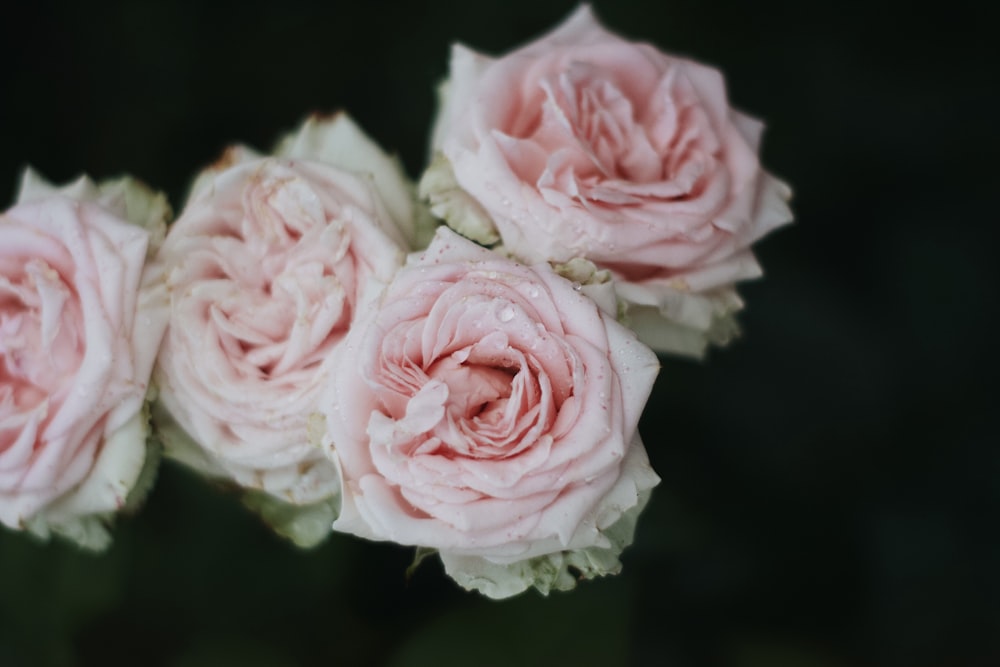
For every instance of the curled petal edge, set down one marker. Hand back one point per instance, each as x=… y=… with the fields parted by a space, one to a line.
x=122 y=476
x=337 y=140
x=615 y=518
x=449 y=202
x=127 y=197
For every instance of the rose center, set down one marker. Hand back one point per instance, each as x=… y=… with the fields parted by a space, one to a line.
x=601 y=143
x=492 y=405
x=286 y=300
x=477 y=392
x=41 y=337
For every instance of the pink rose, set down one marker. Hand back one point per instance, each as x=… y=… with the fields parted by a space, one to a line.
x=488 y=410
x=583 y=144
x=81 y=317
x=268 y=266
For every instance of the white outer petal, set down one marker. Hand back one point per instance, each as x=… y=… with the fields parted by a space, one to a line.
x=614 y=518
x=454 y=94
x=178 y=445
x=128 y=198
x=338 y=141
x=114 y=474
x=204 y=182
x=454 y=205
x=34 y=186
x=673 y=320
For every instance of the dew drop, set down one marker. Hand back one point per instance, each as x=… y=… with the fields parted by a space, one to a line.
x=506 y=314
x=577 y=287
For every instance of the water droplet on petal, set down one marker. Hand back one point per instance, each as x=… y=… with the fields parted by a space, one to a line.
x=506 y=314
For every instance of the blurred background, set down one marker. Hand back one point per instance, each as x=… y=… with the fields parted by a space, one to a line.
x=831 y=482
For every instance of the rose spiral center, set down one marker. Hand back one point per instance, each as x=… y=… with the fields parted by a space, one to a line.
x=41 y=344
x=597 y=143
x=277 y=290
x=41 y=341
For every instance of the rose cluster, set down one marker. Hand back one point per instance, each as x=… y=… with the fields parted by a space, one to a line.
x=306 y=333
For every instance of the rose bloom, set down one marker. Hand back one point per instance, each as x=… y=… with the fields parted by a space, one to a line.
x=267 y=267
x=81 y=317
x=583 y=144
x=489 y=410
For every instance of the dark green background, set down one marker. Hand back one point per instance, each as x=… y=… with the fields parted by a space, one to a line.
x=830 y=488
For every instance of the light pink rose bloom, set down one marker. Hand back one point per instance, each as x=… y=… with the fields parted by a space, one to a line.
x=583 y=144
x=488 y=410
x=267 y=267
x=81 y=317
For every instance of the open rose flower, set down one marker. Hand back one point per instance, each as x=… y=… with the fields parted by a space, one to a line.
x=489 y=410
x=82 y=313
x=583 y=144
x=267 y=267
